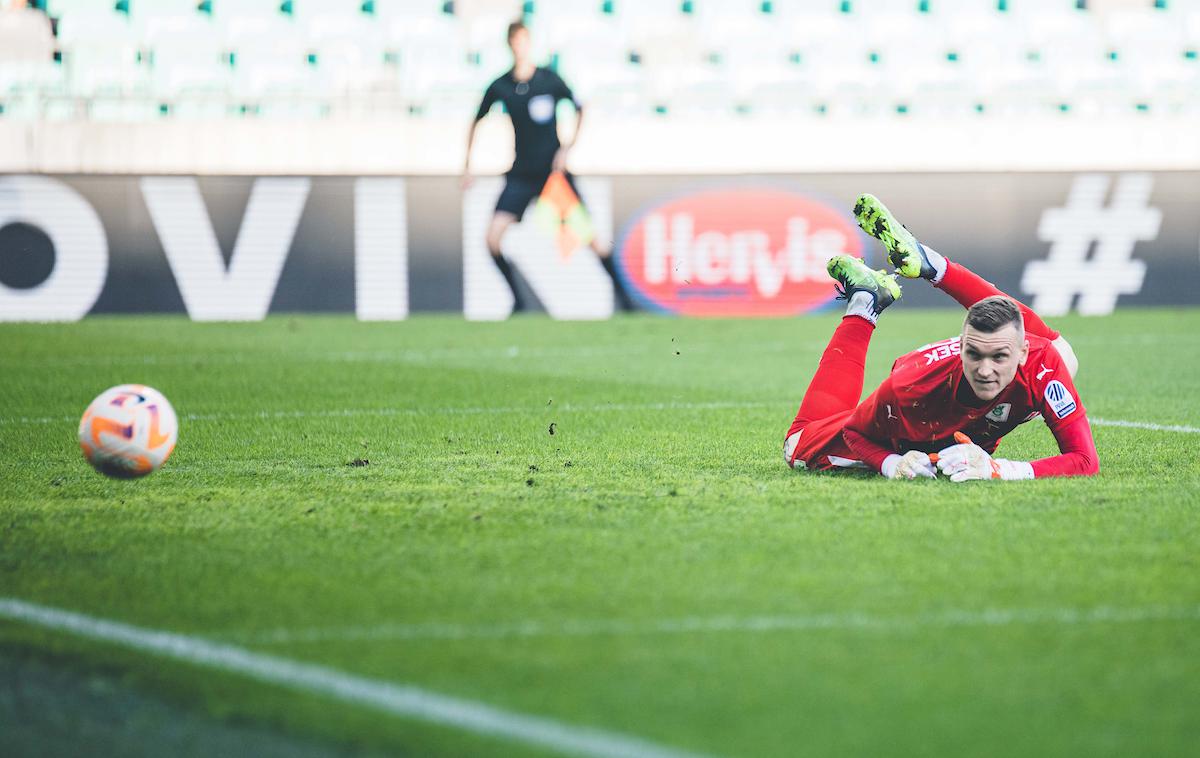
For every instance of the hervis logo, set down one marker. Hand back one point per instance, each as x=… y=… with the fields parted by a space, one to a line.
x=736 y=251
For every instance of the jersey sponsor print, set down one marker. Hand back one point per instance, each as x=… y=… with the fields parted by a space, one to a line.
x=740 y=251
x=940 y=351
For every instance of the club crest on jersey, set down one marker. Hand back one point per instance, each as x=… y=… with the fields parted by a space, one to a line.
x=999 y=414
x=1059 y=399
x=941 y=350
x=541 y=108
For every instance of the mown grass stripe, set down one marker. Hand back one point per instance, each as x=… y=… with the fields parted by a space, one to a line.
x=397 y=699
x=564 y=407
x=843 y=621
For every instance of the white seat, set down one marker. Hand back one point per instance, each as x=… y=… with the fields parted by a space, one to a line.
x=101 y=52
x=434 y=72
x=1152 y=48
x=21 y=104
x=836 y=57
x=920 y=68
x=871 y=7
x=549 y=13
x=1154 y=36
x=1031 y=9
x=188 y=57
x=565 y=34
x=350 y=52
x=124 y=110
x=148 y=8
x=306 y=10
x=143 y=14
x=787 y=8
x=749 y=52
x=597 y=68
x=227 y=10
x=1072 y=48
x=706 y=90
x=409 y=10
x=270 y=57
x=401 y=30
x=100 y=67
x=486 y=44
x=63 y=8
x=650 y=21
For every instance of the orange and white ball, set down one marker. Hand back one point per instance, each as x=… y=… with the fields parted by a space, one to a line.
x=128 y=431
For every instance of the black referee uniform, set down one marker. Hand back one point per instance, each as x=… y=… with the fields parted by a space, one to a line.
x=532 y=105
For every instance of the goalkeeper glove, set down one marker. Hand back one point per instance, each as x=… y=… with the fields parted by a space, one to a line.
x=912 y=464
x=967 y=461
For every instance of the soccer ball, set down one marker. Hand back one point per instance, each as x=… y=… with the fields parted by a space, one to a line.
x=128 y=431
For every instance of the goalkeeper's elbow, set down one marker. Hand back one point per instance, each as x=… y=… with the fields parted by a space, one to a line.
x=1087 y=463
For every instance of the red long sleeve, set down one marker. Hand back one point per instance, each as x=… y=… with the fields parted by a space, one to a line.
x=867 y=451
x=1077 y=453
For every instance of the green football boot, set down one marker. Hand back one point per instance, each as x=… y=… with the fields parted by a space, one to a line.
x=903 y=250
x=854 y=276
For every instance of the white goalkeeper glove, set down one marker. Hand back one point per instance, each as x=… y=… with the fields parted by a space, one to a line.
x=912 y=464
x=965 y=462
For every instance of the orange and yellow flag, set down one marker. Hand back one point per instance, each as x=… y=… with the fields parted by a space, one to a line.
x=559 y=211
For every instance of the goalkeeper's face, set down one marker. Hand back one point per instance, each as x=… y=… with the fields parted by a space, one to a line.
x=991 y=359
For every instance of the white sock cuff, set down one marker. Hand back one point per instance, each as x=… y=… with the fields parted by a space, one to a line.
x=863 y=305
x=937 y=260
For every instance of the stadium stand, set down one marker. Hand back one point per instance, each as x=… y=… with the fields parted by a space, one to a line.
x=693 y=86
x=149 y=59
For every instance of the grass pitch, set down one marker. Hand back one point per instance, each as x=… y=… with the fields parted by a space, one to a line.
x=591 y=522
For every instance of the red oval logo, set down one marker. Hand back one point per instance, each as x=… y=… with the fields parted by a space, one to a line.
x=750 y=251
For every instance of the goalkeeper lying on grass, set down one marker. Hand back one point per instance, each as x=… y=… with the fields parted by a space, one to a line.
x=1007 y=367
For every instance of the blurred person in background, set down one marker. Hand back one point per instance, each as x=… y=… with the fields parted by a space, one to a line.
x=26 y=37
x=25 y=10
x=530 y=95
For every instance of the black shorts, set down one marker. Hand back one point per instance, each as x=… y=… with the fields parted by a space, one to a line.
x=520 y=190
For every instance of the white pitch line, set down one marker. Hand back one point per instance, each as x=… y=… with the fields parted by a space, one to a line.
x=701 y=624
x=398 y=699
x=417 y=356
x=1145 y=425
x=564 y=407
x=430 y=411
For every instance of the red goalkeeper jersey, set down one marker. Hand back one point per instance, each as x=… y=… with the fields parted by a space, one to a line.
x=925 y=400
